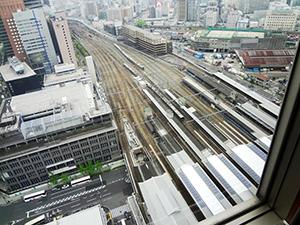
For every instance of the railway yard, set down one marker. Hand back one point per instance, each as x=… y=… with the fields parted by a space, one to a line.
x=162 y=111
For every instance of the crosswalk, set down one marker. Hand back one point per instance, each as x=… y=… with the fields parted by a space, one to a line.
x=119 y=211
x=68 y=198
x=115 y=181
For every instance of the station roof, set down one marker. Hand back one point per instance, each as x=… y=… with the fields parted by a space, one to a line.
x=178 y=159
x=226 y=34
x=249 y=157
x=265 y=103
x=259 y=114
x=90 y=216
x=266 y=58
x=205 y=193
x=232 y=180
x=8 y=73
x=165 y=203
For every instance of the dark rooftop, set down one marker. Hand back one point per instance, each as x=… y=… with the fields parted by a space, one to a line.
x=266 y=58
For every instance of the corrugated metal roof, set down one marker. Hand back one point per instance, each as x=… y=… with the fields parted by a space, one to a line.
x=230 y=178
x=165 y=203
x=250 y=158
x=266 y=58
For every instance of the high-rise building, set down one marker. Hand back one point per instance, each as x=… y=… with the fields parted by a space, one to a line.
x=63 y=37
x=35 y=37
x=280 y=21
x=54 y=130
x=232 y=18
x=191 y=10
x=33 y=4
x=89 y=9
x=248 y=6
x=114 y=14
x=10 y=38
x=181 y=10
x=211 y=17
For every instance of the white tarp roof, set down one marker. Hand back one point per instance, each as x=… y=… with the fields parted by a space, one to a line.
x=165 y=203
x=250 y=158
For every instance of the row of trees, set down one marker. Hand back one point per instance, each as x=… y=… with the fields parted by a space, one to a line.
x=88 y=168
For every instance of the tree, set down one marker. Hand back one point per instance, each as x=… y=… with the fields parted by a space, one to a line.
x=82 y=169
x=90 y=167
x=98 y=166
x=53 y=180
x=65 y=178
x=140 y=23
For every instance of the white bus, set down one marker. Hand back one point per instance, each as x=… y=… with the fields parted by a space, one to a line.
x=80 y=180
x=38 y=220
x=35 y=195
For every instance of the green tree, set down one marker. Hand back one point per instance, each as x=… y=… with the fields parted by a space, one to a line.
x=140 y=23
x=53 y=180
x=82 y=169
x=65 y=178
x=98 y=167
x=90 y=167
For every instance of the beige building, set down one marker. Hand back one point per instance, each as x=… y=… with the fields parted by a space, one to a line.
x=145 y=40
x=63 y=37
x=280 y=21
x=114 y=14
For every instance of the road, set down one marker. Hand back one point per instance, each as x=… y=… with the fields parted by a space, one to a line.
x=112 y=195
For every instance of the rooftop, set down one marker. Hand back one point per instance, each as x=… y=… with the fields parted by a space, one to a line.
x=9 y=74
x=65 y=76
x=227 y=34
x=157 y=39
x=52 y=109
x=266 y=58
x=90 y=216
x=165 y=203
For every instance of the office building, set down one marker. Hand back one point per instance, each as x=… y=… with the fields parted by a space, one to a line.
x=33 y=4
x=19 y=77
x=146 y=41
x=212 y=14
x=55 y=130
x=280 y=21
x=9 y=34
x=191 y=10
x=181 y=10
x=63 y=38
x=89 y=9
x=114 y=14
x=37 y=43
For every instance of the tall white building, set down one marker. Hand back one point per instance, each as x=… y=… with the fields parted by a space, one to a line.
x=181 y=10
x=35 y=37
x=280 y=21
x=211 y=15
x=114 y=14
x=191 y=10
x=232 y=18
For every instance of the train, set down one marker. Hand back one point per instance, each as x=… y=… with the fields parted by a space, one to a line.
x=129 y=58
x=196 y=54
